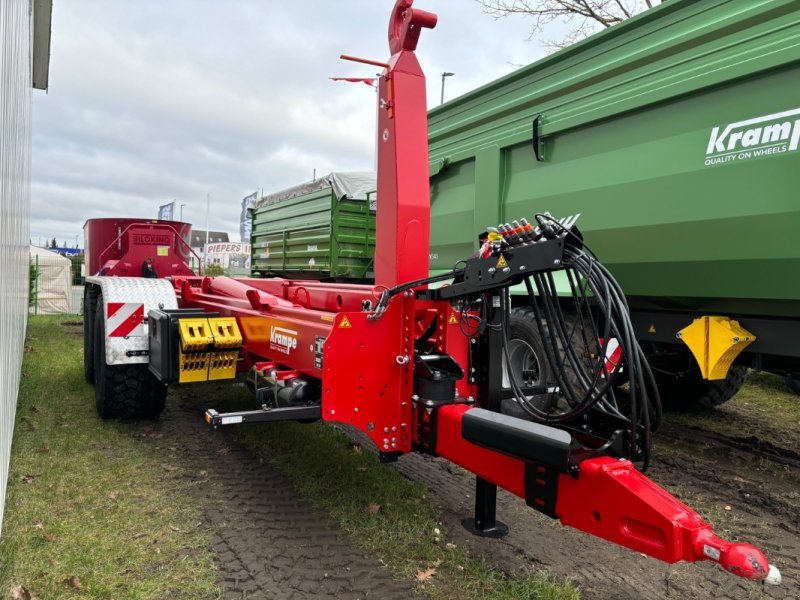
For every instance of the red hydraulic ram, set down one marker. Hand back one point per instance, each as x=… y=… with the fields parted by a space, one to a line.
x=366 y=355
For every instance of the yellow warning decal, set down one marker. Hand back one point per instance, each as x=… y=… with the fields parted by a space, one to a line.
x=652 y=329
x=453 y=320
x=345 y=322
x=502 y=264
x=326 y=318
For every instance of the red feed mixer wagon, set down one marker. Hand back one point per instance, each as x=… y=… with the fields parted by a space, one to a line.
x=418 y=363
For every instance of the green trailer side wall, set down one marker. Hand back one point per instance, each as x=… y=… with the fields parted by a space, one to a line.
x=626 y=118
x=314 y=235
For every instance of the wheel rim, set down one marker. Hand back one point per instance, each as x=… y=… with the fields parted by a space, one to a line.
x=523 y=361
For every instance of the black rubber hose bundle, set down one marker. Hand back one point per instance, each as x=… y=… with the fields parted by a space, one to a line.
x=600 y=314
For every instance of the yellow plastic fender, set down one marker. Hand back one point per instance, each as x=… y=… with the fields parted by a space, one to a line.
x=715 y=342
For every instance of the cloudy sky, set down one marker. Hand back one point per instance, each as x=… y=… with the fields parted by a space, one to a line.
x=155 y=100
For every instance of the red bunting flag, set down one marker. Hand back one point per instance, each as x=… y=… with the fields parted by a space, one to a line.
x=370 y=81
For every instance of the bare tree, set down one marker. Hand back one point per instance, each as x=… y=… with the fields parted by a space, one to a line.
x=583 y=16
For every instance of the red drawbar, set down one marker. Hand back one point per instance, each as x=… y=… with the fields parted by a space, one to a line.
x=610 y=499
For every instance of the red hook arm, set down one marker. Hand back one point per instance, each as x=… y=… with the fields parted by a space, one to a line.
x=406 y=24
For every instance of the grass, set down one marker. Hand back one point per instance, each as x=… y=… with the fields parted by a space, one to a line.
x=90 y=512
x=764 y=396
x=392 y=518
x=383 y=512
x=767 y=396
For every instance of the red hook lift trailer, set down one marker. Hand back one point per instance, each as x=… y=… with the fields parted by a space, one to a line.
x=417 y=367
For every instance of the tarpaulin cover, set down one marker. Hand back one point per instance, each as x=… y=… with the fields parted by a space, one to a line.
x=350 y=186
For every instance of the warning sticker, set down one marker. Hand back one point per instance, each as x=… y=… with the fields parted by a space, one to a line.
x=453 y=320
x=711 y=552
x=125 y=319
x=502 y=264
x=162 y=250
x=345 y=323
x=319 y=343
x=652 y=329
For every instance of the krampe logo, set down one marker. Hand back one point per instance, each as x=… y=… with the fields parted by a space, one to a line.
x=762 y=136
x=283 y=340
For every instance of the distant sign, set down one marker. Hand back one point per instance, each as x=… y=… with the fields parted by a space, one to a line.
x=68 y=252
x=232 y=248
x=245 y=223
x=165 y=211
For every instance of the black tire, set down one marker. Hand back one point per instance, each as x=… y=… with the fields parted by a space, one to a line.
x=89 y=300
x=690 y=392
x=793 y=383
x=528 y=359
x=123 y=391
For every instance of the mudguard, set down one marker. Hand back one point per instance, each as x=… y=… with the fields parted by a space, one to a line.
x=126 y=302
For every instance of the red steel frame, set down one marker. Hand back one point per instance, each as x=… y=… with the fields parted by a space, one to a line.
x=367 y=365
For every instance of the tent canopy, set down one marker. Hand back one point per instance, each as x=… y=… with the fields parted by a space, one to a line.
x=54 y=287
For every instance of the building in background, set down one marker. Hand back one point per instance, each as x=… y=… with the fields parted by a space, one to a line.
x=234 y=257
x=24 y=64
x=198 y=243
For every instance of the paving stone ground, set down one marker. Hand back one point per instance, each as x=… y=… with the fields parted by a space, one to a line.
x=269 y=543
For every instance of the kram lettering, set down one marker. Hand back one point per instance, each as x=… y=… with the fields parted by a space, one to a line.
x=283 y=339
x=776 y=128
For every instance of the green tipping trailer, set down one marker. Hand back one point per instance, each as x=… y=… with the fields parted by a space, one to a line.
x=323 y=229
x=675 y=135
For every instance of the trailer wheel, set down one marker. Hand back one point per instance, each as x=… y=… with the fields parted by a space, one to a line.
x=690 y=392
x=793 y=383
x=89 y=308
x=123 y=391
x=528 y=360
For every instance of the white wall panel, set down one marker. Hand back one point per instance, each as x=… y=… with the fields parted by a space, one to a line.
x=15 y=149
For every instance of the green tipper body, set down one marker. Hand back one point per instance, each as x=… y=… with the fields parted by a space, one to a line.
x=675 y=135
x=315 y=231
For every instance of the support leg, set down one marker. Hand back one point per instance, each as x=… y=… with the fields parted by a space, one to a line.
x=489 y=393
x=485 y=523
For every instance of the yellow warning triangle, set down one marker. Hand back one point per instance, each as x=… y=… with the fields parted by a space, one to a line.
x=453 y=320
x=345 y=322
x=502 y=264
x=652 y=329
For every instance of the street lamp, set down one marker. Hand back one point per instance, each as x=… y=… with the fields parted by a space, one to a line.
x=182 y=205
x=445 y=74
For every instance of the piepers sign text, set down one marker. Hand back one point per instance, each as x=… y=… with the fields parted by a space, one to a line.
x=773 y=134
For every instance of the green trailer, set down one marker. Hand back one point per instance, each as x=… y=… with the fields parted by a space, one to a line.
x=675 y=134
x=323 y=229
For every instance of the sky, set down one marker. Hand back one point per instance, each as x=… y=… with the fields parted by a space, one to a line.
x=152 y=101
